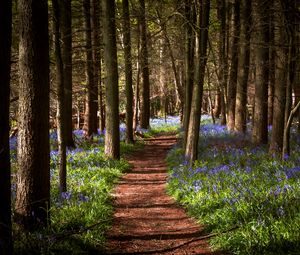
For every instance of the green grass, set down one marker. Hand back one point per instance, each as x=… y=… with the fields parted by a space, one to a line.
x=80 y=219
x=252 y=200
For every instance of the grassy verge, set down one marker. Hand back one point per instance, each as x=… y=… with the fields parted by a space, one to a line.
x=239 y=191
x=80 y=218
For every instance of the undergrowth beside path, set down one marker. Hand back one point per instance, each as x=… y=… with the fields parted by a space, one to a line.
x=239 y=187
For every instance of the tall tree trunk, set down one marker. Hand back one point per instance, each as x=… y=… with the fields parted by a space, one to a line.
x=97 y=60
x=33 y=179
x=137 y=85
x=233 y=6
x=189 y=64
x=96 y=46
x=261 y=52
x=243 y=66
x=5 y=184
x=223 y=71
x=61 y=110
x=66 y=49
x=145 y=88
x=194 y=123
x=271 y=87
x=112 y=137
x=128 y=72
x=281 y=46
x=90 y=116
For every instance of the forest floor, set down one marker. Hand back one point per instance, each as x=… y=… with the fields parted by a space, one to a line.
x=147 y=220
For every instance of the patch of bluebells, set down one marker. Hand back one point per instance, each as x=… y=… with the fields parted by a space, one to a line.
x=235 y=184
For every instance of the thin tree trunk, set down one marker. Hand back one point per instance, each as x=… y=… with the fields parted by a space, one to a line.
x=223 y=71
x=61 y=110
x=233 y=55
x=112 y=137
x=90 y=116
x=145 y=88
x=32 y=205
x=6 y=247
x=66 y=48
x=189 y=64
x=243 y=66
x=191 y=151
x=128 y=72
x=261 y=52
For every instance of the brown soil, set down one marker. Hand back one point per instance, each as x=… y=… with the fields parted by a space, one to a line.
x=146 y=219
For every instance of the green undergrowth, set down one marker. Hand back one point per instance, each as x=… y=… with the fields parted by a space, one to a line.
x=251 y=200
x=81 y=216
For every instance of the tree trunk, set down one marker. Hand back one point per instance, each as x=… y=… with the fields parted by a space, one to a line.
x=145 y=88
x=271 y=70
x=261 y=52
x=233 y=6
x=243 y=66
x=5 y=184
x=66 y=49
x=96 y=46
x=90 y=116
x=223 y=71
x=33 y=180
x=281 y=46
x=128 y=72
x=112 y=137
x=61 y=110
x=191 y=151
x=189 y=64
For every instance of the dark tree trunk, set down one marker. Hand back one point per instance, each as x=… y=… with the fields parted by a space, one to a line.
x=61 y=109
x=5 y=189
x=189 y=64
x=261 y=52
x=33 y=180
x=112 y=137
x=271 y=69
x=243 y=66
x=233 y=56
x=66 y=51
x=223 y=71
x=96 y=46
x=90 y=116
x=191 y=150
x=128 y=72
x=281 y=49
x=145 y=88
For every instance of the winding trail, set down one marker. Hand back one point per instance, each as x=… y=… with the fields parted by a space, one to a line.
x=146 y=219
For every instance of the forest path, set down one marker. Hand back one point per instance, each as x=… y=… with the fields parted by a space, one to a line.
x=147 y=220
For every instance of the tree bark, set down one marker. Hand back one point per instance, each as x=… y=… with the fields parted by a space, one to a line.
x=96 y=49
x=223 y=71
x=243 y=67
x=189 y=64
x=233 y=6
x=281 y=52
x=191 y=151
x=66 y=51
x=128 y=72
x=5 y=171
x=261 y=52
x=145 y=88
x=33 y=180
x=61 y=110
x=112 y=136
x=90 y=116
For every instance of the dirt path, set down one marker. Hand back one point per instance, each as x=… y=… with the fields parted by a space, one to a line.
x=146 y=220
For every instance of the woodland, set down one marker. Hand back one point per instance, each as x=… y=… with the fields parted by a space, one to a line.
x=85 y=83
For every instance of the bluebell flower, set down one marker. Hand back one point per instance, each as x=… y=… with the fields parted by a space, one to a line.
x=66 y=195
